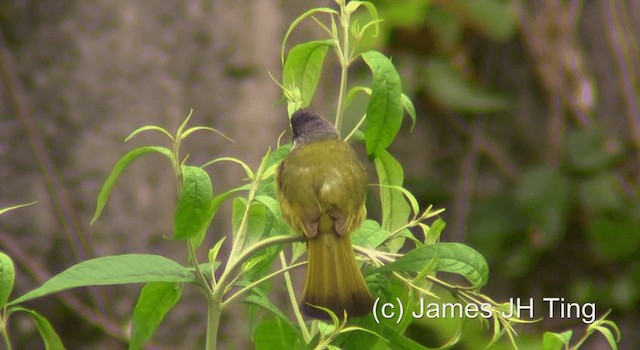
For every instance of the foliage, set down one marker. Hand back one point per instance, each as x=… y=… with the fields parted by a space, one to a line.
x=401 y=250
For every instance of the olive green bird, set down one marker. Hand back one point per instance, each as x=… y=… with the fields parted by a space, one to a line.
x=321 y=187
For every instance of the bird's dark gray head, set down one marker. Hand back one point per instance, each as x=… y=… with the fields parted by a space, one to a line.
x=308 y=126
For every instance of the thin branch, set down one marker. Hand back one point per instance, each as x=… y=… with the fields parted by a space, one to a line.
x=619 y=43
x=16 y=99
x=294 y=302
x=467 y=180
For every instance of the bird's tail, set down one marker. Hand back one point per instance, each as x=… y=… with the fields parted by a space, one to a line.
x=333 y=279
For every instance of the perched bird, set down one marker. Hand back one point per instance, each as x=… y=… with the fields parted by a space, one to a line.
x=321 y=187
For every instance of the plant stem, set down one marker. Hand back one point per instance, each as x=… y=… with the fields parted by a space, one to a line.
x=356 y=128
x=4 y=318
x=215 y=308
x=5 y=337
x=214 y=313
x=239 y=237
x=259 y=281
x=199 y=275
x=294 y=302
x=233 y=266
x=345 y=60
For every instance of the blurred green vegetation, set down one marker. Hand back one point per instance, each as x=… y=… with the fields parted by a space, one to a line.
x=546 y=190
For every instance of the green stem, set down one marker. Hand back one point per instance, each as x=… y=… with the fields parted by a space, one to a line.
x=356 y=128
x=240 y=236
x=214 y=313
x=7 y=344
x=345 y=61
x=215 y=308
x=258 y=282
x=233 y=266
x=3 y=328
x=294 y=302
x=199 y=275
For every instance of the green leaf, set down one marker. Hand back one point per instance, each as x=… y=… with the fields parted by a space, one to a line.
x=369 y=235
x=435 y=230
x=117 y=170
x=298 y=20
x=7 y=278
x=155 y=301
x=47 y=333
x=544 y=194
x=256 y=220
x=588 y=150
x=452 y=257
x=4 y=210
x=114 y=269
x=447 y=28
x=198 y=128
x=303 y=67
x=493 y=18
x=197 y=240
x=270 y=203
x=407 y=13
x=601 y=193
x=615 y=237
x=451 y=89
x=213 y=253
x=193 y=209
x=352 y=6
x=277 y=334
x=271 y=164
x=395 y=209
x=260 y=262
x=556 y=341
x=407 y=105
x=384 y=112
x=148 y=128
x=607 y=328
x=611 y=339
x=244 y=165
x=264 y=303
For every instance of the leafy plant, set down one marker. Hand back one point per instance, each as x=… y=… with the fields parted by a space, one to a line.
x=7 y=279
x=401 y=252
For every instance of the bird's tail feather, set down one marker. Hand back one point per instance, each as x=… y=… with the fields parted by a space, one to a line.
x=333 y=279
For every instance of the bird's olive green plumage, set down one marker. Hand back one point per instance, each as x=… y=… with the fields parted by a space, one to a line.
x=321 y=189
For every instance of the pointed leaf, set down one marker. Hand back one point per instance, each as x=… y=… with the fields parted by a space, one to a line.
x=147 y=128
x=395 y=209
x=407 y=105
x=452 y=257
x=4 y=210
x=114 y=269
x=277 y=334
x=556 y=341
x=266 y=304
x=256 y=221
x=192 y=211
x=493 y=18
x=298 y=20
x=117 y=170
x=47 y=333
x=450 y=88
x=369 y=235
x=155 y=301
x=7 y=278
x=303 y=68
x=384 y=112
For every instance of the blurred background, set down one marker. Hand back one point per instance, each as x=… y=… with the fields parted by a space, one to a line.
x=528 y=133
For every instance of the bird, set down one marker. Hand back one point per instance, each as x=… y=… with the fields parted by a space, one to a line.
x=321 y=189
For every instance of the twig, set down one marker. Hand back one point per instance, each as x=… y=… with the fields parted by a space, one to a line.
x=619 y=43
